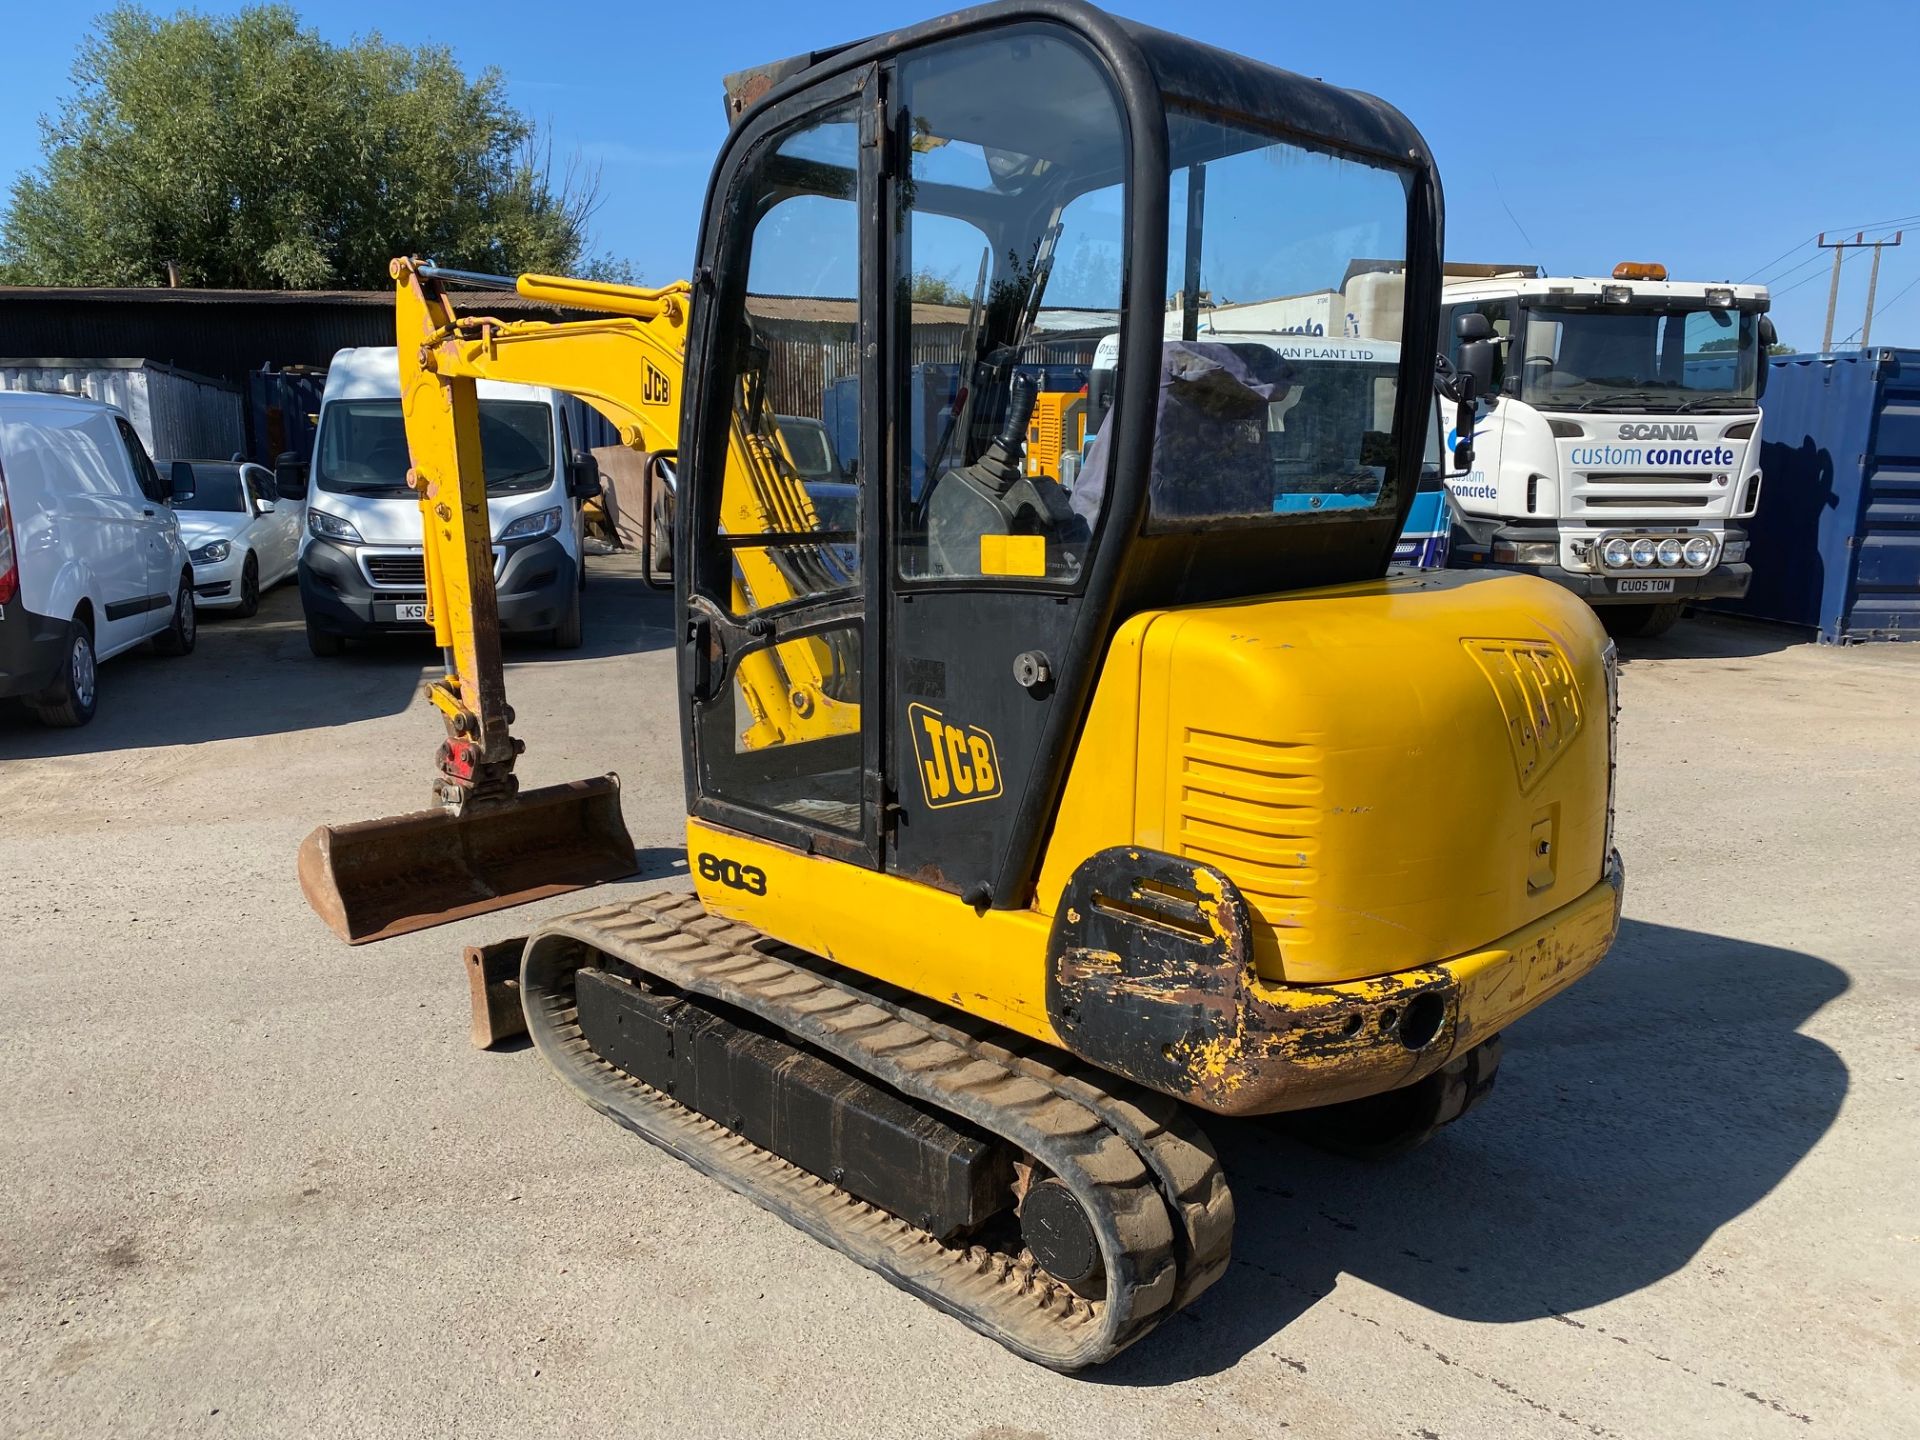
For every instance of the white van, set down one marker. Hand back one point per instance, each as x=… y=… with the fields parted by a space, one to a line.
x=361 y=568
x=91 y=561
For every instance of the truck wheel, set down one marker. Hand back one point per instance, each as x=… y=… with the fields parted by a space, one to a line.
x=1640 y=622
x=178 y=637
x=69 y=700
x=324 y=643
x=567 y=634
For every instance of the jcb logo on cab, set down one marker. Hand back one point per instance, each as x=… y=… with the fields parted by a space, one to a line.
x=957 y=765
x=656 y=391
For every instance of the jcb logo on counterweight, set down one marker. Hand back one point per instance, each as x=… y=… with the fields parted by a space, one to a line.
x=957 y=766
x=656 y=391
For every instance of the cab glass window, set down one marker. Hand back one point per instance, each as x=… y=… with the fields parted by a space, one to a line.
x=1008 y=235
x=144 y=474
x=790 y=504
x=784 y=732
x=1281 y=359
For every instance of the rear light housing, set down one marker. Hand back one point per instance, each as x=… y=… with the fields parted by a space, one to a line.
x=9 y=550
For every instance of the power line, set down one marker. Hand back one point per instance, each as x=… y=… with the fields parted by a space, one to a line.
x=1798 y=283
x=1812 y=239
x=1881 y=224
x=1776 y=278
x=1790 y=250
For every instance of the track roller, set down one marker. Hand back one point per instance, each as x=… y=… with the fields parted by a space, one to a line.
x=1062 y=1217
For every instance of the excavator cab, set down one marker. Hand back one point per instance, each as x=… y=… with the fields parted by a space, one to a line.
x=908 y=241
x=1145 y=764
x=1033 y=808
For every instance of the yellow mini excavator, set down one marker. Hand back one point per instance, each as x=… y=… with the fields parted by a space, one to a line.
x=1027 y=818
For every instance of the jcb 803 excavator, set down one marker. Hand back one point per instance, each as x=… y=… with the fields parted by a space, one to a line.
x=1024 y=821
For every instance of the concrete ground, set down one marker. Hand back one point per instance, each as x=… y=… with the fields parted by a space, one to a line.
x=253 y=1182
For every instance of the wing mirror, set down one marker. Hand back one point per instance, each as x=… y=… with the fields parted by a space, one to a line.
x=290 y=476
x=177 y=483
x=1459 y=385
x=1478 y=349
x=583 y=476
x=1763 y=362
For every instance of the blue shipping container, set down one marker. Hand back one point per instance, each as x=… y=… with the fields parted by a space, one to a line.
x=1836 y=542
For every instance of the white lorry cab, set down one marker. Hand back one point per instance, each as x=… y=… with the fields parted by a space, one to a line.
x=1328 y=423
x=1617 y=447
x=91 y=561
x=362 y=570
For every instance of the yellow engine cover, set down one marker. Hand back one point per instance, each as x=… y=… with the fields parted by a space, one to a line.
x=1392 y=772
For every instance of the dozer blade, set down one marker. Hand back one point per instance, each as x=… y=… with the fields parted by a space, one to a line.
x=378 y=878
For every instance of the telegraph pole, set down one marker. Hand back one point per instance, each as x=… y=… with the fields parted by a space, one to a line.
x=1873 y=284
x=1840 y=248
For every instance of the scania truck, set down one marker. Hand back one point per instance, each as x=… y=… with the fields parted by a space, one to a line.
x=1617 y=449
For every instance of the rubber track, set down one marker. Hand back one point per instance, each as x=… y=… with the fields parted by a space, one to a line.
x=1130 y=1167
x=1157 y=1126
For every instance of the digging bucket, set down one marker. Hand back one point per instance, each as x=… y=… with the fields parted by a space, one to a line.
x=378 y=878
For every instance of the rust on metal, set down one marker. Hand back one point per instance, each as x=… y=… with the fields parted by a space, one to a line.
x=493 y=986
x=744 y=87
x=1150 y=975
x=379 y=878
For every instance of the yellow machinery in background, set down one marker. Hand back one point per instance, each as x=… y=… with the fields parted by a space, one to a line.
x=1026 y=821
x=1058 y=428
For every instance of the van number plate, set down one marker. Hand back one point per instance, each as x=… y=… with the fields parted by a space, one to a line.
x=419 y=612
x=1662 y=586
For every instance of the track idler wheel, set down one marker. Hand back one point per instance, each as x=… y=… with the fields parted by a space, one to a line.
x=1060 y=1236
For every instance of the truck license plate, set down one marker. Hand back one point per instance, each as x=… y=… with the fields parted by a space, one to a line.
x=419 y=612
x=1662 y=586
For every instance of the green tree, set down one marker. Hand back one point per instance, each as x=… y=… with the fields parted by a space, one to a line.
x=254 y=154
x=927 y=288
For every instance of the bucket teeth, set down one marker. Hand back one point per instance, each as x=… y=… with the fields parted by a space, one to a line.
x=378 y=878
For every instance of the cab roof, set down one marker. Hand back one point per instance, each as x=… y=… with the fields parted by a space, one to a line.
x=1220 y=84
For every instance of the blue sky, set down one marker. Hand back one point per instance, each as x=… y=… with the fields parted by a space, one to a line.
x=1715 y=137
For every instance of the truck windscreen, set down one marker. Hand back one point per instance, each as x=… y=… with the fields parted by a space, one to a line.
x=1639 y=359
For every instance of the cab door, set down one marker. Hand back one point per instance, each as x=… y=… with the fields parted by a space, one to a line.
x=1008 y=209
x=779 y=662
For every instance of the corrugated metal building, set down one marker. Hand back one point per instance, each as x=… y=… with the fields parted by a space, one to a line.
x=177 y=414
x=1836 y=543
x=223 y=336
x=226 y=334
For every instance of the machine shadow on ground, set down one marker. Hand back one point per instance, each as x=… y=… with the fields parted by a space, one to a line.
x=257 y=677
x=1709 y=636
x=1635 y=1115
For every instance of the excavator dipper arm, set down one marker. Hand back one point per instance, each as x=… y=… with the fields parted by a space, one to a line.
x=626 y=366
x=487 y=845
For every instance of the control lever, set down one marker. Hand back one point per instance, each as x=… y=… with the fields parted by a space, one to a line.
x=998 y=468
